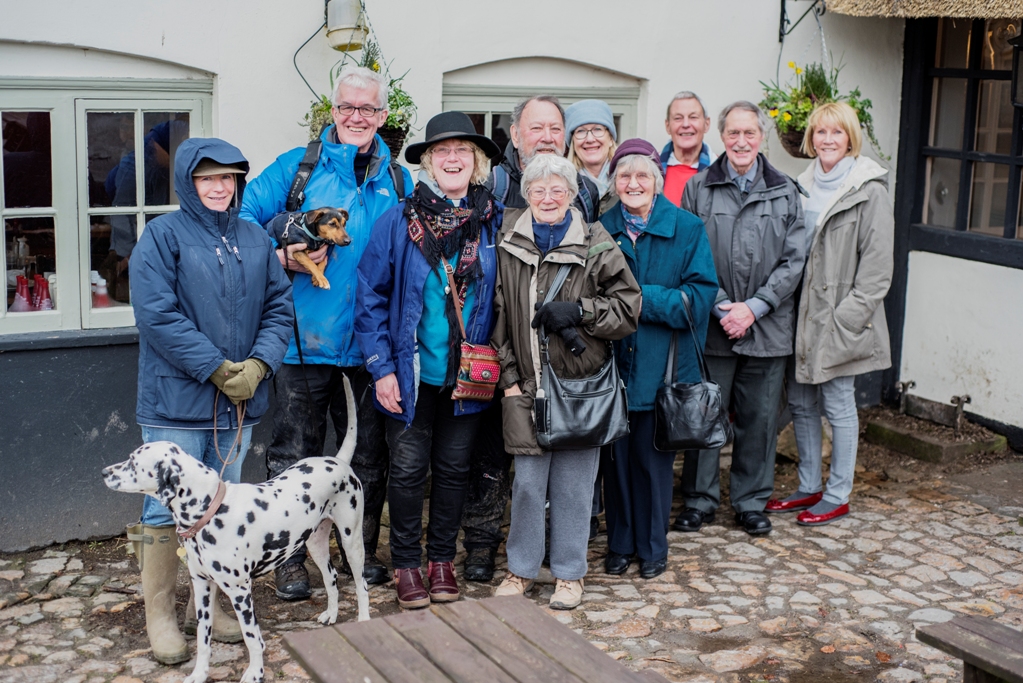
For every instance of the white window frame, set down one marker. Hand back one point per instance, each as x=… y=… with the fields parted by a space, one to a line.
x=501 y=99
x=68 y=100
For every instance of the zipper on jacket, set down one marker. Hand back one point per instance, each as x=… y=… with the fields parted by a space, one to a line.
x=358 y=192
x=229 y=249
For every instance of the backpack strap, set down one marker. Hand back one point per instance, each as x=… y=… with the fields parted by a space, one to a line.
x=502 y=183
x=397 y=178
x=296 y=195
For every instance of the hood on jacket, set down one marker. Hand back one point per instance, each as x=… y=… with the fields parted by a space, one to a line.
x=864 y=170
x=511 y=162
x=189 y=154
x=718 y=174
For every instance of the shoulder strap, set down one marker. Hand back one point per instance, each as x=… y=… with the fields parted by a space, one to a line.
x=501 y=184
x=586 y=200
x=671 y=373
x=296 y=195
x=397 y=178
x=454 y=297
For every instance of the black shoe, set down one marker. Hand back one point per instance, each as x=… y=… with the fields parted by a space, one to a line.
x=292 y=581
x=479 y=564
x=755 y=523
x=648 y=570
x=616 y=564
x=691 y=519
x=594 y=527
x=373 y=570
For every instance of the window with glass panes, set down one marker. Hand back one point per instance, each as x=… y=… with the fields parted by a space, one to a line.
x=84 y=168
x=973 y=148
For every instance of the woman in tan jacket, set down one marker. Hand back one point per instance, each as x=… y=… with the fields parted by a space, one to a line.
x=841 y=329
x=600 y=302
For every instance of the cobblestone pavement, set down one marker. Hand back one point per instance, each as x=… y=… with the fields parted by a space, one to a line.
x=835 y=603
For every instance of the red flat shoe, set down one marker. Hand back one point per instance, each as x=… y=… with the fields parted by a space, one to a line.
x=411 y=591
x=778 y=505
x=806 y=518
x=443 y=587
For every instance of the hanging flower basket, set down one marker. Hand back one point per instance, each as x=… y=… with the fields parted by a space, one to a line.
x=792 y=141
x=394 y=136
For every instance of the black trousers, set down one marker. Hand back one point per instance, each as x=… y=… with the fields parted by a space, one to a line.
x=638 y=481
x=489 y=483
x=300 y=430
x=439 y=441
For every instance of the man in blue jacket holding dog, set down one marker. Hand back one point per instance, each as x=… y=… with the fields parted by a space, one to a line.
x=354 y=172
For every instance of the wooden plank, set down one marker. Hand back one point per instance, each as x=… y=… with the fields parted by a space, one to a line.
x=459 y=659
x=329 y=659
x=652 y=676
x=389 y=653
x=557 y=641
x=503 y=646
x=960 y=638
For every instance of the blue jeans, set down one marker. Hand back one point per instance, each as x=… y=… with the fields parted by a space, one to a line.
x=198 y=443
x=836 y=400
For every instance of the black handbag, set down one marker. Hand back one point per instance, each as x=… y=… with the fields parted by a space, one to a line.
x=578 y=413
x=689 y=416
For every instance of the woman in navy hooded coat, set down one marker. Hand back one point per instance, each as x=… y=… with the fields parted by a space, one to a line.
x=214 y=312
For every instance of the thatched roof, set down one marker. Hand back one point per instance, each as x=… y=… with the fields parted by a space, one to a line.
x=982 y=9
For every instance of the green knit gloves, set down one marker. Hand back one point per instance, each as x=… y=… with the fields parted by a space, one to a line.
x=222 y=374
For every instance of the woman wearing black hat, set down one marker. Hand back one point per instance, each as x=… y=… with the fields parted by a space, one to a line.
x=408 y=328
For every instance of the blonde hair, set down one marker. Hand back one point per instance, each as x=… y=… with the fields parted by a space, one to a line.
x=844 y=117
x=577 y=162
x=481 y=163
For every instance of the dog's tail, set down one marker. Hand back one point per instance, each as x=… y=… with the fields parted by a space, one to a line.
x=348 y=446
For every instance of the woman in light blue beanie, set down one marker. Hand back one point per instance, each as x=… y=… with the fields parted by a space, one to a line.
x=592 y=140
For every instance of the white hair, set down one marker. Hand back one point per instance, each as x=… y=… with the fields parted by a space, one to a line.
x=630 y=162
x=544 y=166
x=361 y=78
x=743 y=105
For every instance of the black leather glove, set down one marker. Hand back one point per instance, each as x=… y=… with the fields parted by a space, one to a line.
x=573 y=341
x=557 y=315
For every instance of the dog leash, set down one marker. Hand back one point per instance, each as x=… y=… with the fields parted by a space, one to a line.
x=204 y=520
x=237 y=439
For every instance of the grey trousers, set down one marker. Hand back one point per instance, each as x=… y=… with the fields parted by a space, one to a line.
x=565 y=478
x=753 y=387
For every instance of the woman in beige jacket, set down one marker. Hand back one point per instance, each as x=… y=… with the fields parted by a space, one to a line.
x=841 y=329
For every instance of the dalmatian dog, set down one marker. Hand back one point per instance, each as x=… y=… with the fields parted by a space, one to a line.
x=252 y=529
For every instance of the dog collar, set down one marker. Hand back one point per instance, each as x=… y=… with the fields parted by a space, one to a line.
x=210 y=511
x=299 y=222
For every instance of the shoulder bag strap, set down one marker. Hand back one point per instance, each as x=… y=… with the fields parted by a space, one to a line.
x=296 y=195
x=454 y=297
x=397 y=178
x=704 y=373
x=552 y=292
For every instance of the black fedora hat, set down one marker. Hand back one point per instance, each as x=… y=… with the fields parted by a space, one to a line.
x=448 y=125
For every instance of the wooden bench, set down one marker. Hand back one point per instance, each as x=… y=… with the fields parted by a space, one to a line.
x=991 y=652
x=496 y=640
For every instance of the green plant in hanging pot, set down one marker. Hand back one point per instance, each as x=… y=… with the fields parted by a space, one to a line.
x=790 y=105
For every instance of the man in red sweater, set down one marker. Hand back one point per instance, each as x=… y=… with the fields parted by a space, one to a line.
x=687 y=154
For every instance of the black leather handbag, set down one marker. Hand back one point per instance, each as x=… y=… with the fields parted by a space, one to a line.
x=578 y=413
x=689 y=416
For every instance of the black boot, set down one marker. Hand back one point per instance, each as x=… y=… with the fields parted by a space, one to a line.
x=292 y=580
x=479 y=564
x=373 y=570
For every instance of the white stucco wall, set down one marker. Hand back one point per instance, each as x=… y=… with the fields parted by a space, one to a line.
x=718 y=49
x=962 y=334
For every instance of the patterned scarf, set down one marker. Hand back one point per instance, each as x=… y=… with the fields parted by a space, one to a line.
x=635 y=225
x=441 y=230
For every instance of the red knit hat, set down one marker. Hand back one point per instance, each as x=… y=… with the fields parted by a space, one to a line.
x=634 y=146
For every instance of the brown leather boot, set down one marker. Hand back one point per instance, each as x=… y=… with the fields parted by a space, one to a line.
x=443 y=587
x=411 y=591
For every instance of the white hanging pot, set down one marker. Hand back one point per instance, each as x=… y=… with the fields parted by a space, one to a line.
x=346 y=25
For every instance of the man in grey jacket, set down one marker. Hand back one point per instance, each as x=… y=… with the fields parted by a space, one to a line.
x=754 y=220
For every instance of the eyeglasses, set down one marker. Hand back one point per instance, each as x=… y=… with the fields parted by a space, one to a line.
x=599 y=133
x=365 y=110
x=463 y=151
x=555 y=193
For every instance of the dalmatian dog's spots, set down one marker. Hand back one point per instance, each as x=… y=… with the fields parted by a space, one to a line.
x=254 y=530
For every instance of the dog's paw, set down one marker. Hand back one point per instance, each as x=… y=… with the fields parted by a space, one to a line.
x=253 y=675
x=321 y=282
x=327 y=617
x=196 y=677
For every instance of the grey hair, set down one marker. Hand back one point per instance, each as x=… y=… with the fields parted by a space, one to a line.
x=361 y=78
x=543 y=166
x=629 y=163
x=686 y=95
x=521 y=107
x=743 y=105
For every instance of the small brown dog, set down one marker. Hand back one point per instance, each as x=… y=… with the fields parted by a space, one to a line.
x=314 y=229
